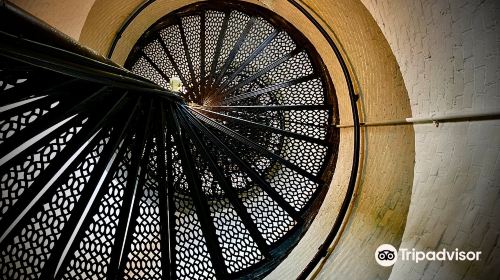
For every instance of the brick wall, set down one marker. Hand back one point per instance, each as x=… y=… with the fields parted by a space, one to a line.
x=448 y=53
x=378 y=213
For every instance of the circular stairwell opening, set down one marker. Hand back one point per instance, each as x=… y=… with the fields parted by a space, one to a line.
x=220 y=183
x=262 y=106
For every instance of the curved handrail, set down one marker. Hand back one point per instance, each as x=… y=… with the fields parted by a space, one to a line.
x=38 y=43
x=125 y=24
x=323 y=249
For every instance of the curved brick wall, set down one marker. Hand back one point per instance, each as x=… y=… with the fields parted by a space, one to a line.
x=448 y=52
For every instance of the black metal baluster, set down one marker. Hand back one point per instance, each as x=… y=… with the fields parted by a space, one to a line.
x=263 y=71
x=257 y=147
x=202 y=80
x=166 y=203
x=271 y=107
x=258 y=112
x=135 y=212
x=172 y=61
x=67 y=242
x=257 y=178
x=194 y=89
x=199 y=200
x=267 y=89
x=249 y=59
x=269 y=128
x=155 y=66
x=131 y=197
x=16 y=216
x=220 y=41
x=171 y=192
x=226 y=186
x=235 y=50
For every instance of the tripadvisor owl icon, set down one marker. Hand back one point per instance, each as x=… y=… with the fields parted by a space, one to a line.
x=386 y=255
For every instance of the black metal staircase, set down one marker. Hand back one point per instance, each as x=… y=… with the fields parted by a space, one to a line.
x=105 y=174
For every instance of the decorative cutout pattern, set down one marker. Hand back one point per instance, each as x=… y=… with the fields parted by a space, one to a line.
x=91 y=259
x=31 y=248
x=20 y=177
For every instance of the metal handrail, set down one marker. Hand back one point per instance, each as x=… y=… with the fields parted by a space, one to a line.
x=37 y=43
x=323 y=249
x=12 y=18
x=126 y=23
x=434 y=119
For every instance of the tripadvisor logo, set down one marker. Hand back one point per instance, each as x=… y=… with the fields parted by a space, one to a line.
x=387 y=255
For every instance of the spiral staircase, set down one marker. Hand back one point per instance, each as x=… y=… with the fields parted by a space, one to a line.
x=109 y=173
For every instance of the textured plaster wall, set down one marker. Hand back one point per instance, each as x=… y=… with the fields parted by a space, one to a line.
x=66 y=15
x=448 y=53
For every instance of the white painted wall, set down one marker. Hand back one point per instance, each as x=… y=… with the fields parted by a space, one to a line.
x=448 y=52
